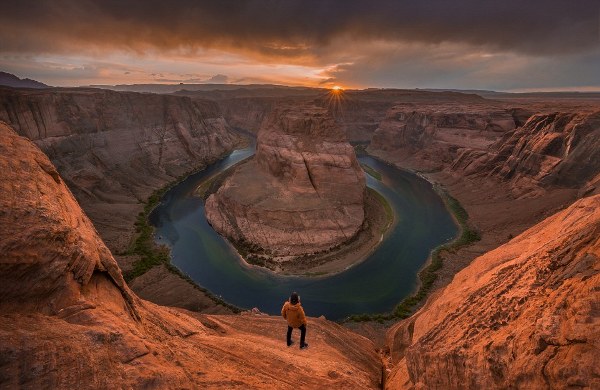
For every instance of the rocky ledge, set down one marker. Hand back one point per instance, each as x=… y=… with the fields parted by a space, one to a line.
x=303 y=193
x=68 y=319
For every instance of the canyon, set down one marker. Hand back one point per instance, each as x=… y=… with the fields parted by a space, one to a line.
x=114 y=150
x=517 y=308
x=69 y=320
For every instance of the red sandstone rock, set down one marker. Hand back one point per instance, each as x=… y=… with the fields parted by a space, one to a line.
x=524 y=315
x=68 y=320
x=432 y=133
x=550 y=150
x=303 y=192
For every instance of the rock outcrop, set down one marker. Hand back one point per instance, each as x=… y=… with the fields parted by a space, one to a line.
x=550 y=150
x=303 y=192
x=524 y=315
x=68 y=320
x=115 y=148
x=430 y=135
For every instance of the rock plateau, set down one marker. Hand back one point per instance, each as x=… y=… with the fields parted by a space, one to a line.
x=303 y=193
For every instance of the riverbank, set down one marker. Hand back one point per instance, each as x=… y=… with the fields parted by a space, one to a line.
x=488 y=216
x=375 y=285
x=147 y=266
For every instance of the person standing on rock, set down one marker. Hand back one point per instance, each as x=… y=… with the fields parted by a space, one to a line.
x=293 y=312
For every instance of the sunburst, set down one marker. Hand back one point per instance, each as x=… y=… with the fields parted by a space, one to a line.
x=334 y=100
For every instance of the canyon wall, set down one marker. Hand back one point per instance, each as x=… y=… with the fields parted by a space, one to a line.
x=249 y=113
x=530 y=151
x=548 y=151
x=115 y=148
x=524 y=315
x=68 y=320
x=303 y=192
x=430 y=135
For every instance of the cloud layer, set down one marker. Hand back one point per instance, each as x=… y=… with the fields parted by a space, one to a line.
x=320 y=34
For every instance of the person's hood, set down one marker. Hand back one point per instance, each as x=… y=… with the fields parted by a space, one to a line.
x=292 y=306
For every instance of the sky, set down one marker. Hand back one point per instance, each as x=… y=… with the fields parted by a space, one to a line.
x=508 y=45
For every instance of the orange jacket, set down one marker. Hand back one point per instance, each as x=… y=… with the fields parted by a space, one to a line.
x=294 y=314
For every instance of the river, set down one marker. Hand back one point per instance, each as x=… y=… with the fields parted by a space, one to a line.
x=375 y=285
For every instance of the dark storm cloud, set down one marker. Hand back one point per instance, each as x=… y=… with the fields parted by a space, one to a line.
x=296 y=29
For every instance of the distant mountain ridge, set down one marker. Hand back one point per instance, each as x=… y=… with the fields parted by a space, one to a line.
x=172 y=88
x=11 y=80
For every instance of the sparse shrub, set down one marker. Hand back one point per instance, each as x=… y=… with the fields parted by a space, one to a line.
x=428 y=275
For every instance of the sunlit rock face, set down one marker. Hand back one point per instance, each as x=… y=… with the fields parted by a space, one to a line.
x=524 y=315
x=549 y=150
x=302 y=193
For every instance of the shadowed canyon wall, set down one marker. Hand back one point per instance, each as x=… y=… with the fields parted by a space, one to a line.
x=549 y=150
x=115 y=148
x=430 y=136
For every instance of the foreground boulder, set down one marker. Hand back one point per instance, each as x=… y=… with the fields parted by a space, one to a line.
x=303 y=192
x=69 y=321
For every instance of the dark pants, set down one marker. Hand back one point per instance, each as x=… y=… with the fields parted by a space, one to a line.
x=302 y=335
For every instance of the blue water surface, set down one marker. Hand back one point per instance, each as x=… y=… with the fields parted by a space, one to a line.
x=375 y=285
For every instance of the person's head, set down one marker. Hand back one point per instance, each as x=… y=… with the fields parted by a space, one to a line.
x=294 y=298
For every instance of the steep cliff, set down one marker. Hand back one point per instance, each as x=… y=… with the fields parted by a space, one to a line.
x=115 y=148
x=303 y=192
x=549 y=150
x=429 y=135
x=68 y=320
x=524 y=315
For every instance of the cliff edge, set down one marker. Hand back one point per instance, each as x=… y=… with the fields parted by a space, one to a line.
x=68 y=320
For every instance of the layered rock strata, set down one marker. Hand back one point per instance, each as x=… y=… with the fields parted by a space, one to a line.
x=68 y=320
x=115 y=148
x=302 y=193
x=430 y=135
x=549 y=151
